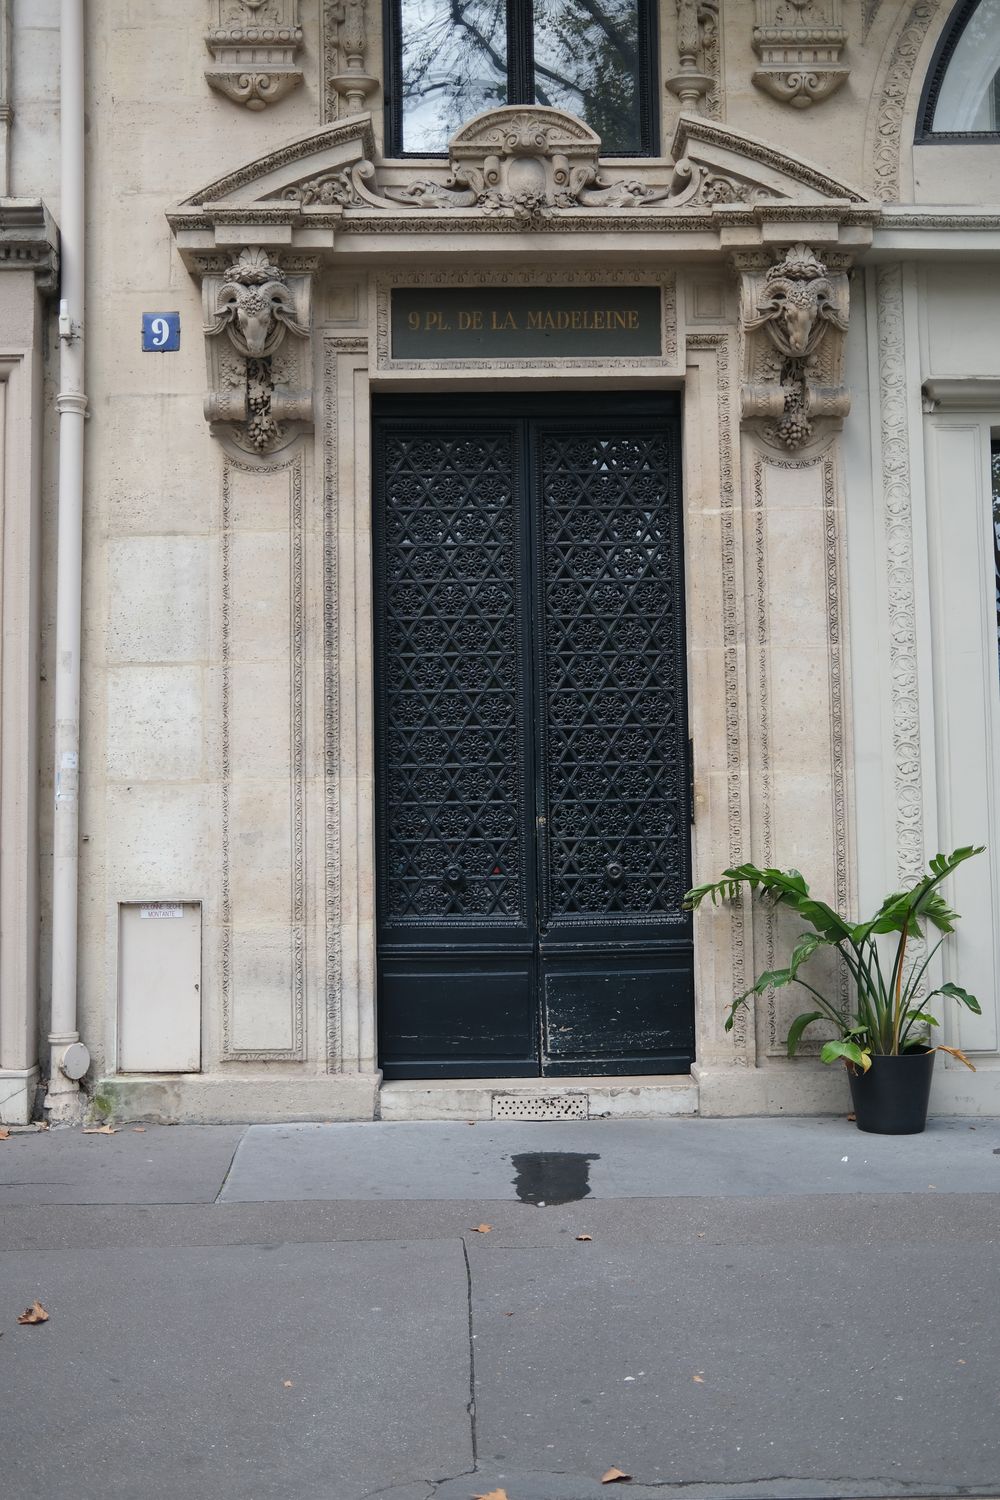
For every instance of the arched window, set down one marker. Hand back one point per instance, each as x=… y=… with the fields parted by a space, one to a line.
x=962 y=94
x=450 y=59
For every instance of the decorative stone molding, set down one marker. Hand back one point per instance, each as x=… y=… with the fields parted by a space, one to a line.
x=898 y=562
x=885 y=130
x=515 y=169
x=257 y=331
x=345 y=50
x=29 y=241
x=732 y=613
x=254 y=45
x=793 y=321
x=666 y=362
x=799 y=43
x=527 y=160
x=697 y=44
x=6 y=106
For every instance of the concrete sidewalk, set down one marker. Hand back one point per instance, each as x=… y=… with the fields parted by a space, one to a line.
x=765 y=1309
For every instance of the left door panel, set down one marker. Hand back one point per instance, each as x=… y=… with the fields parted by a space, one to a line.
x=455 y=859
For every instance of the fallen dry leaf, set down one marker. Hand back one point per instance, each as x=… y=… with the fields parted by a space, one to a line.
x=615 y=1476
x=585 y=1236
x=482 y=1229
x=852 y=1117
x=698 y=1379
x=34 y=1314
x=4 y=1135
x=99 y=1130
x=287 y=1384
x=139 y=1129
x=493 y=1494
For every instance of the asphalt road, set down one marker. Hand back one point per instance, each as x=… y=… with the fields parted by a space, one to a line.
x=768 y=1310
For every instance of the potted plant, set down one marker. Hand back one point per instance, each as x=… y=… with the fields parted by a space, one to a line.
x=885 y=1040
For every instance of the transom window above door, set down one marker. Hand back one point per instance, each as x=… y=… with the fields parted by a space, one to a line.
x=451 y=59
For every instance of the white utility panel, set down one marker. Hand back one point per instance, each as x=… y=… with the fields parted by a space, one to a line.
x=159 y=987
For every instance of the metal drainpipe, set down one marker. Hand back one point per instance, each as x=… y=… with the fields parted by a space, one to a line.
x=69 y=1060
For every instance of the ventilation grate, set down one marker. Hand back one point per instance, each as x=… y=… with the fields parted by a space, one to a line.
x=540 y=1107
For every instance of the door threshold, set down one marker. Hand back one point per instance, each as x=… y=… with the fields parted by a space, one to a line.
x=648 y=1097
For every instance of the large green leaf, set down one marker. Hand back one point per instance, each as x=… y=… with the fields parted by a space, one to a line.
x=957 y=993
x=798 y=1026
x=919 y=1017
x=848 y=1051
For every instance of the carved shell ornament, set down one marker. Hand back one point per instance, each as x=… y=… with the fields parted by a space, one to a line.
x=255 y=307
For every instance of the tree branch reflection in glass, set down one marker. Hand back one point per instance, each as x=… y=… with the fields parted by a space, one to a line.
x=578 y=55
x=454 y=65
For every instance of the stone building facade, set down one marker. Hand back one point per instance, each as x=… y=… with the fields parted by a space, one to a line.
x=488 y=533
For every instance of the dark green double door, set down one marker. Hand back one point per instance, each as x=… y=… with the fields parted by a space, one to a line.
x=531 y=743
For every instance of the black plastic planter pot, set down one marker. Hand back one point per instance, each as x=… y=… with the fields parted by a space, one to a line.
x=892 y=1097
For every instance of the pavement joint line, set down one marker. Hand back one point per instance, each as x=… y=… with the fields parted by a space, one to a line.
x=225 y=1178
x=472 y=1357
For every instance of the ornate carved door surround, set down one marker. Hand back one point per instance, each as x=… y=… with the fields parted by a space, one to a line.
x=753 y=250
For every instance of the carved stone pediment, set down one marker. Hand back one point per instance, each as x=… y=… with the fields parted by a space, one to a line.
x=508 y=167
x=526 y=161
x=758 y=168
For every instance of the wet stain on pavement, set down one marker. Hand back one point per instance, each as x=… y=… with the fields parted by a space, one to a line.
x=547 y=1177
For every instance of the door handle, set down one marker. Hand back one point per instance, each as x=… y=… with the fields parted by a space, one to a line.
x=614 y=872
x=454 y=877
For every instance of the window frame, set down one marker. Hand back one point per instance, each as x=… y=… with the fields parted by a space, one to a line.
x=948 y=41
x=520 y=77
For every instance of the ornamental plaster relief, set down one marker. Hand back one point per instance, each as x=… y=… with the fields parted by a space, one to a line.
x=347 y=81
x=712 y=355
x=889 y=118
x=254 y=46
x=257 y=339
x=696 y=83
x=899 y=561
x=799 y=43
x=793 y=320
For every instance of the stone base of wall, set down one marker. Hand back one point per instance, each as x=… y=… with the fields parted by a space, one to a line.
x=806 y=1087
x=218 y=1100
x=646 y=1098
x=17 y=1095
x=800 y=1088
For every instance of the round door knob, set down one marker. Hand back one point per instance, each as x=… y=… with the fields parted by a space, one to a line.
x=454 y=877
x=614 y=872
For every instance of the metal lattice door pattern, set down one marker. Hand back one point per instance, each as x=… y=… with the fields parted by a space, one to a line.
x=532 y=792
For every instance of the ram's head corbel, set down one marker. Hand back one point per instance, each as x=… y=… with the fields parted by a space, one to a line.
x=255 y=307
x=798 y=305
